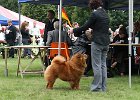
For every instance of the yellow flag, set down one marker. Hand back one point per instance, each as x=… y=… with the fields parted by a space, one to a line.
x=64 y=16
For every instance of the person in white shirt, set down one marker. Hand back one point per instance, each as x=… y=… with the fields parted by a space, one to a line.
x=2 y=41
x=2 y=35
x=35 y=32
x=117 y=30
x=72 y=37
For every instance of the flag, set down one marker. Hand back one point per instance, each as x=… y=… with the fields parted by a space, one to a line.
x=65 y=16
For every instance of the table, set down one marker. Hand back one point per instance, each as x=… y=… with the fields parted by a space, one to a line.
x=6 y=52
x=2 y=42
x=41 y=54
x=115 y=44
x=133 y=45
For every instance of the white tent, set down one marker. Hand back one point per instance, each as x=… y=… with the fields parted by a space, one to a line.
x=15 y=16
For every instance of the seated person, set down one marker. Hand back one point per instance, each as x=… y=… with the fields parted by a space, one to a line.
x=137 y=30
x=53 y=36
x=82 y=45
x=120 y=52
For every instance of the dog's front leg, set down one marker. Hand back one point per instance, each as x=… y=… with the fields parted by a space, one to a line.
x=74 y=85
x=71 y=84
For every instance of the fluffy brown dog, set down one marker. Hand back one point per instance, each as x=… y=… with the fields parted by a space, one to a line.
x=70 y=71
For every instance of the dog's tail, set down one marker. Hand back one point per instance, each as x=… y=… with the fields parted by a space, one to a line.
x=58 y=60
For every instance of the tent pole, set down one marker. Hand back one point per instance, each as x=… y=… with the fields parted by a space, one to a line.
x=58 y=8
x=20 y=37
x=130 y=37
x=60 y=23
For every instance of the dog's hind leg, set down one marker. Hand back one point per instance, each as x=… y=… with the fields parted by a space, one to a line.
x=50 y=83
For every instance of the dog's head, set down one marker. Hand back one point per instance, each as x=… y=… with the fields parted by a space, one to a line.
x=80 y=59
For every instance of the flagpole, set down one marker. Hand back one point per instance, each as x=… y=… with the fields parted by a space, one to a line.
x=60 y=23
x=130 y=37
x=19 y=12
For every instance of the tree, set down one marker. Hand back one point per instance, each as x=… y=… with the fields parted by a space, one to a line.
x=37 y=12
x=75 y=14
x=78 y=14
x=10 y=4
x=118 y=17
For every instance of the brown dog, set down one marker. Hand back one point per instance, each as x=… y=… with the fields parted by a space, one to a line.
x=70 y=71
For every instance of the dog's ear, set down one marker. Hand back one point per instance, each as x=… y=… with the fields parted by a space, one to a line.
x=78 y=55
x=85 y=56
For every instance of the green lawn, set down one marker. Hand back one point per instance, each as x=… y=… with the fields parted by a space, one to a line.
x=32 y=87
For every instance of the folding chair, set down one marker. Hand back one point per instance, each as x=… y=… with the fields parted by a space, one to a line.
x=64 y=51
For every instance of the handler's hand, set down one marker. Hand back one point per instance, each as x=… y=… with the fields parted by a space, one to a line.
x=70 y=31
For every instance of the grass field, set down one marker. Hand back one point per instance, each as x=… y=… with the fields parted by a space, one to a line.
x=32 y=87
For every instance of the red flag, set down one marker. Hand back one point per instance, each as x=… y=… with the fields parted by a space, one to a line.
x=65 y=16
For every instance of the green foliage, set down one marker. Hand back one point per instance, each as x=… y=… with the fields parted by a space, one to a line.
x=75 y=14
x=136 y=15
x=32 y=87
x=10 y=4
x=118 y=17
x=38 y=12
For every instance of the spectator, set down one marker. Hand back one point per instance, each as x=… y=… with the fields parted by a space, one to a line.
x=111 y=34
x=35 y=33
x=2 y=41
x=49 y=24
x=2 y=35
x=53 y=36
x=117 y=30
x=120 y=52
x=82 y=45
x=66 y=27
x=72 y=37
x=137 y=29
x=26 y=39
x=11 y=37
x=35 y=30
